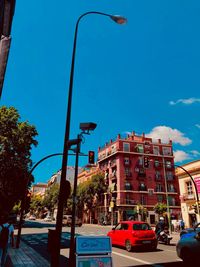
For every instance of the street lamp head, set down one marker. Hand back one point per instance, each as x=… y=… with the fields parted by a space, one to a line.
x=118 y=19
x=87 y=126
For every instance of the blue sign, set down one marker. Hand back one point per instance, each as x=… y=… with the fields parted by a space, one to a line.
x=92 y=261
x=93 y=245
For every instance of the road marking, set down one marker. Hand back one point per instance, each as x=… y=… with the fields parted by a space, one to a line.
x=138 y=260
x=131 y=258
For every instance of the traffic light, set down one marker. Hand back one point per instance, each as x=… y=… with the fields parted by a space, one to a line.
x=91 y=157
x=146 y=162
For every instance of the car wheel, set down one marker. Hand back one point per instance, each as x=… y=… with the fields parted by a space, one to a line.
x=128 y=245
x=185 y=255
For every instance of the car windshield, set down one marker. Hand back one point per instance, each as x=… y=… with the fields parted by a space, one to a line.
x=141 y=226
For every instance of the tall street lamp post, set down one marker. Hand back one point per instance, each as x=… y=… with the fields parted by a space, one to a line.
x=167 y=196
x=86 y=128
x=119 y=20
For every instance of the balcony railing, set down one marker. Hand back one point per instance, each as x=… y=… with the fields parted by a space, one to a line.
x=128 y=175
x=124 y=201
x=142 y=188
x=158 y=177
x=128 y=187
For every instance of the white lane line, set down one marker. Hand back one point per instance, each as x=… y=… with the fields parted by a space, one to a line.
x=138 y=260
x=131 y=258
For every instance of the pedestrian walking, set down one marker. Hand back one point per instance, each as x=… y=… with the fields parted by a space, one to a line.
x=182 y=224
x=6 y=239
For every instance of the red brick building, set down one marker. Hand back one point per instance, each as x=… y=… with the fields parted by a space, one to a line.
x=139 y=172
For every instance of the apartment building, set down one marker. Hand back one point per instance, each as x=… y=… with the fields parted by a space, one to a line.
x=138 y=171
x=189 y=183
x=38 y=189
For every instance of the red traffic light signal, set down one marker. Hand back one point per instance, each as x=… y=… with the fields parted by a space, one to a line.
x=91 y=157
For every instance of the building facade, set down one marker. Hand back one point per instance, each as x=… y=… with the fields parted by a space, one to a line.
x=188 y=195
x=38 y=189
x=139 y=172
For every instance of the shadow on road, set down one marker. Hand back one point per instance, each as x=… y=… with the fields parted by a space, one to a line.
x=168 y=264
x=39 y=242
x=35 y=224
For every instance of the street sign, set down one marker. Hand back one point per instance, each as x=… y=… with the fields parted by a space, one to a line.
x=93 y=245
x=94 y=261
x=93 y=251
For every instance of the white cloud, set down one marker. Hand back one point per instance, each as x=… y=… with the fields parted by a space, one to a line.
x=195 y=153
x=187 y=101
x=167 y=133
x=180 y=156
x=197 y=125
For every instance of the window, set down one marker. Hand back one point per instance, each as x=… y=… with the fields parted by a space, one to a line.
x=170 y=188
x=128 y=186
x=118 y=227
x=156 y=150
x=140 y=161
x=142 y=187
x=113 y=148
x=124 y=226
x=169 y=176
x=140 y=148
x=127 y=172
x=126 y=161
x=168 y=164
x=128 y=199
x=156 y=163
x=172 y=201
x=143 y=200
x=150 y=192
x=160 y=198
x=158 y=188
x=126 y=147
x=166 y=150
x=189 y=189
x=158 y=175
x=141 y=226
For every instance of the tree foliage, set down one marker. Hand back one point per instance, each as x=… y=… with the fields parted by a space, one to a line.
x=90 y=192
x=160 y=208
x=51 y=197
x=36 y=203
x=16 y=141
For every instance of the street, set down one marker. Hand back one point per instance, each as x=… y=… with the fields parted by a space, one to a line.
x=35 y=234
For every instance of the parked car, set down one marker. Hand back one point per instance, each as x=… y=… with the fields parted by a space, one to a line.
x=133 y=234
x=67 y=220
x=48 y=218
x=32 y=217
x=188 y=247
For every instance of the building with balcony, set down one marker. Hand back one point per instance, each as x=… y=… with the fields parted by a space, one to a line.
x=38 y=189
x=138 y=171
x=188 y=195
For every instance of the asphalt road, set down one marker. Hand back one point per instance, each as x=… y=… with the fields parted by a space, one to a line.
x=35 y=234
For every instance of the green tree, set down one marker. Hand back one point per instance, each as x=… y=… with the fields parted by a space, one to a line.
x=36 y=204
x=160 y=208
x=16 y=141
x=89 y=193
x=51 y=197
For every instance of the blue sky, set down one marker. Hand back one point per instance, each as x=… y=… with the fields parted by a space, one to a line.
x=142 y=76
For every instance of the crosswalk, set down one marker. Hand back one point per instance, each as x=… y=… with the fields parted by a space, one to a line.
x=39 y=239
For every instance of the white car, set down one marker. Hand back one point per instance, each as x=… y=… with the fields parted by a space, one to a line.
x=32 y=217
x=48 y=218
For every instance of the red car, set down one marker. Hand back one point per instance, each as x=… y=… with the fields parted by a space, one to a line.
x=130 y=234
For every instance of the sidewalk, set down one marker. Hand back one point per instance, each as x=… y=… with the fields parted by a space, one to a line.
x=25 y=256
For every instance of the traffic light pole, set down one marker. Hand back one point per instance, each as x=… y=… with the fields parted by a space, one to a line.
x=72 y=238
